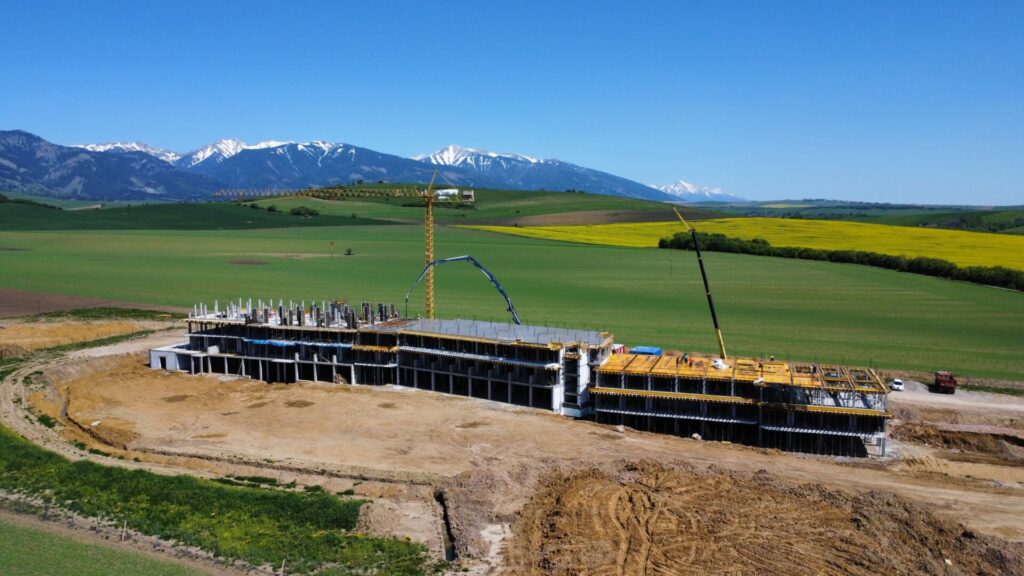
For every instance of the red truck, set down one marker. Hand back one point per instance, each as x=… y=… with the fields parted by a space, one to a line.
x=944 y=382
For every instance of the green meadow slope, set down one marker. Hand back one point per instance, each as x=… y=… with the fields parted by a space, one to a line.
x=32 y=551
x=793 y=309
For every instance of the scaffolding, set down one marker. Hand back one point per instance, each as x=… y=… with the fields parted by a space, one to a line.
x=821 y=409
x=803 y=407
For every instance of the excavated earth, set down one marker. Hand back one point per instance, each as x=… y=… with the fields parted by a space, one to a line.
x=643 y=518
x=521 y=491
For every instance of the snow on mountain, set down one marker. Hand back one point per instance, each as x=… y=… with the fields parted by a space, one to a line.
x=688 y=192
x=222 y=150
x=518 y=171
x=115 y=171
x=161 y=153
x=455 y=155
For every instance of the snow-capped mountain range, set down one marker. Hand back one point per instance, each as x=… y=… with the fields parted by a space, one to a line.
x=161 y=153
x=455 y=155
x=695 y=193
x=232 y=163
x=222 y=150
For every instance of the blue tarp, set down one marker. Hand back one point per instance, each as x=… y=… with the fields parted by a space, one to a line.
x=288 y=343
x=649 y=350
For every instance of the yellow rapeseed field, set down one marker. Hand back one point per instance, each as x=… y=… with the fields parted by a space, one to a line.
x=961 y=248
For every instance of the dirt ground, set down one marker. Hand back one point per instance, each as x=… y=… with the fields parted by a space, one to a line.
x=497 y=469
x=18 y=338
x=647 y=518
x=15 y=303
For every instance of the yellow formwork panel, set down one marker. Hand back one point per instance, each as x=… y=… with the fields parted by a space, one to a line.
x=749 y=370
x=642 y=364
x=666 y=366
x=616 y=363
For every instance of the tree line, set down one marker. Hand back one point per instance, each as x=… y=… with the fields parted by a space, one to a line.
x=999 y=276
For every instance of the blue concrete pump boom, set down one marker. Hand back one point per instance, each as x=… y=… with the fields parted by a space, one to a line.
x=474 y=262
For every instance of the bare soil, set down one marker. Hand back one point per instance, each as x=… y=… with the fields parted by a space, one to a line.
x=540 y=492
x=24 y=302
x=646 y=518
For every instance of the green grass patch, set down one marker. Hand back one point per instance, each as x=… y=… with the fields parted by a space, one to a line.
x=106 y=313
x=32 y=551
x=47 y=421
x=308 y=530
x=258 y=480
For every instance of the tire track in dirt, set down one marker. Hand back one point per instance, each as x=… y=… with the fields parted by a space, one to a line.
x=644 y=519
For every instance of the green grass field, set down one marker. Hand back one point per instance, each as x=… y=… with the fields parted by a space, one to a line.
x=1004 y=221
x=793 y=309
x=69 y=204
x=311 y=530
x=490 y=205
x=214 y=216
x=32 y=551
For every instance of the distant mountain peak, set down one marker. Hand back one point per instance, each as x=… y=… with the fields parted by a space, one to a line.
x=221 y=150
x=696 y=193
x=455 y=155
x=161 y=153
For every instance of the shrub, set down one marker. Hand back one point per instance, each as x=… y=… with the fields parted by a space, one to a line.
x=988 y=275
x=304 y=211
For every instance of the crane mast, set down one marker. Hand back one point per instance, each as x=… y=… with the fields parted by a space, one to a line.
x=429 y=197
x=707 y=287
x=428 y=245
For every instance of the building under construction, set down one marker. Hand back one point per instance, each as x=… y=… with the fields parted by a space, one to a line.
x=800 y=407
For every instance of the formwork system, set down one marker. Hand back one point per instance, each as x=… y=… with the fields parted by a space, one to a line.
x=539 y=367
x=798 y=407
x=812 y=408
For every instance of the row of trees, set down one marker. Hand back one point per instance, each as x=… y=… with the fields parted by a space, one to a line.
x=988 y=275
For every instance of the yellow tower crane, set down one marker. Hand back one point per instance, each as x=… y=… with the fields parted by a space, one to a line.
x=428 y=195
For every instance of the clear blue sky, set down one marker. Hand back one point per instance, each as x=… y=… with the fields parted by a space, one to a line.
x=869 y=100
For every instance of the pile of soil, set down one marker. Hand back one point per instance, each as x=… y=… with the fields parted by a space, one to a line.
x=1006 y=447
x=646 y=518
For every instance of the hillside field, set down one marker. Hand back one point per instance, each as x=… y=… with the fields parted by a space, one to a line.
x=490 y=206
x=32 y=551
x=961 y=248
x=793 y=309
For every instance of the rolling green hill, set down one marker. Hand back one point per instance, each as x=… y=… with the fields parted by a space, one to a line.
x=214 y=216
x=490 y=205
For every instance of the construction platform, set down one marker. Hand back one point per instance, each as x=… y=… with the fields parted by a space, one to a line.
x=791 y=406
x=814 y=408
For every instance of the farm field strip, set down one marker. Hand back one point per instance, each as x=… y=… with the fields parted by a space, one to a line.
x=961 y=248
x=799 y=310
